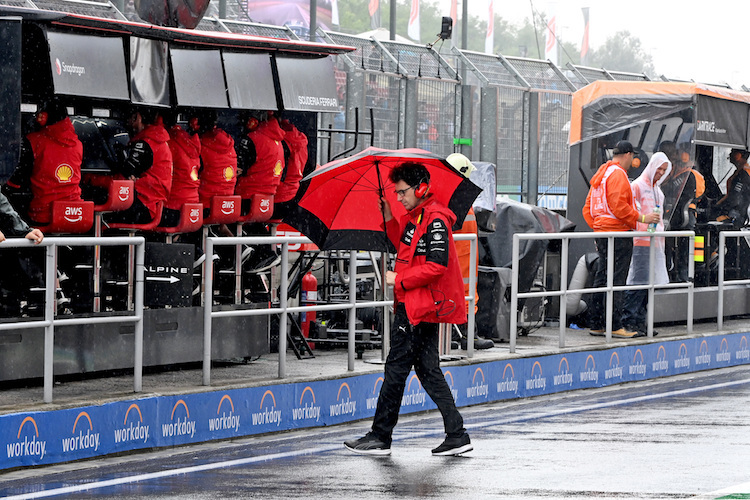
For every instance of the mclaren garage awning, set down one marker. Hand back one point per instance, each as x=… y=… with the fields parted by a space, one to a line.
x=307 y=84
x=720 y=115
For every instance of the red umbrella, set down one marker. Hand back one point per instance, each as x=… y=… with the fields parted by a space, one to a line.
x=339 y=209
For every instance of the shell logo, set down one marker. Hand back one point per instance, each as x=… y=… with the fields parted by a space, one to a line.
x=64 y=172
x=277 y=169
x=228 y=174
x=194 y=173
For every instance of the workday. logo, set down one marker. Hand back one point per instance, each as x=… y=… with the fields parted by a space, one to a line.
x=133 y=428
x=80 y=441
x=225 y=418
x=449 y=379
x=683 y=359
x=742 y=354
x=267 y=414
x=723 y=355
x=589 y=373
x=637 y=365
x=372 y=401
x=307 y=408
x=179 y=427
x=703 y=357
x=509 y=382
x=614 y=370
x=563 y=377
x=478 y=388
x=30 y=445
x=661 y=364
x=344 y=404
x=537 y=381
x=414 y=395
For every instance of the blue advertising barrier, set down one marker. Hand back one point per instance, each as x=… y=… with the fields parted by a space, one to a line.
x=36 y=438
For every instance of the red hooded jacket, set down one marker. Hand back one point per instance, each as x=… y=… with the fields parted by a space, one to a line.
x=154 y=184
x=264 y=174
x=428 y=280
x=219 y=174
x=56 y=174
x=297 y=142
x=186 y=150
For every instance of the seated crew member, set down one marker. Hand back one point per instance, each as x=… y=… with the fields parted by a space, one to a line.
x=50 y=162
x=185 y=146
x=733 y=206
x=296 y=143
x=149 y=164
x=219 y=159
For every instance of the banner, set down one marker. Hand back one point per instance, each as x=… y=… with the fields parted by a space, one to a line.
x=550 y=52
x=413 y=27
x=374 y=9
x=489 y=41
x=335 y=12
x=454 y=16
x=585 y=41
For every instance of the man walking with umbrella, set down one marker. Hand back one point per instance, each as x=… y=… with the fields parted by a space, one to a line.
x=428 y=290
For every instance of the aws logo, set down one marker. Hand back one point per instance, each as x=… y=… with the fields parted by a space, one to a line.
x=537 y=381
x=64 y=173
x=414 y=395
x=723 y=355
x=224 y=420
x=614 y=370
x=344 y=404
x=177 y=428
x=449 y=379
x=268 y=413
x=637 y=365
x=742 y=354
x=660 y=365
x=478 y=389
x=133 y=428
x=124 y=193
x=80 y=441
x=31 y=445
x=509 y=382
x=703 y=357
x=228 y=207
x=563 y=373
x=372 y=402
x=683 y=360
x=589 y=373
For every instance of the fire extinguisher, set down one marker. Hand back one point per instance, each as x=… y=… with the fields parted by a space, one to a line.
x=309 y=297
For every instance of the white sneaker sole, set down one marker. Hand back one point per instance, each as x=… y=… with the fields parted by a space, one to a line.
x=374 y=452
x=455 y=451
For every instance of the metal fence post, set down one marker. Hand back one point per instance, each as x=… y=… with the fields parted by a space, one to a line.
x=50 y=270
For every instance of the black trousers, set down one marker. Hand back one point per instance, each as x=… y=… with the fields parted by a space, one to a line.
x=623 y=253
x=415 y=346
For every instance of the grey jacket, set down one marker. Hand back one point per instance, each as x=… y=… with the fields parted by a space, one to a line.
x=11 y=223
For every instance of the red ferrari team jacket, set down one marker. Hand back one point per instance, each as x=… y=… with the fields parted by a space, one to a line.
x=428 y=280
x=295 y=166
x=155 y=182
x=186 y=161
x=263 y=175
x=56 y=174
x=219 y=174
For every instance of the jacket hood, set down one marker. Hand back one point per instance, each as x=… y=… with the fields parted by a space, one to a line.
x=648 y=173
x=271 y=129
x=156 y=133
x=217 y=140
x=596 y=180
x=191 y=144
x=62 y=132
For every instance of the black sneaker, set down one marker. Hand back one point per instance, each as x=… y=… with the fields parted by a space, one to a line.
x=479 y=343
x=454 y=446
x=368 y=445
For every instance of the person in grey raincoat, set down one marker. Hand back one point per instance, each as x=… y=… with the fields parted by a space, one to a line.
x=11 y=224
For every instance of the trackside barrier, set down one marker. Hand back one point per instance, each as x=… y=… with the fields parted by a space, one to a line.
x=723 y=235
x=609 y=289
x=284 y=309
x=50 y=321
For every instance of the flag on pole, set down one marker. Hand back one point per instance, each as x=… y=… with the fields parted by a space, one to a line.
x=585 y=42
x=550 y=52
x=374 y=9
x=489 y=40
x=335 y=12
x=413 y=27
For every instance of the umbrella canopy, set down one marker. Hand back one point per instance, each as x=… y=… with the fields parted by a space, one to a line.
x=339 y=209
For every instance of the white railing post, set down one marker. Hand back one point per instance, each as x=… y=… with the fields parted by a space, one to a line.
x=283 y=304
x=720 y=304
x=208 y=302
x=514 y=293
x=50 y=283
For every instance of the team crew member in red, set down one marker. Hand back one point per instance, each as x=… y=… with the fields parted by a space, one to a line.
x=50 y=162
x=149 y=164
x=219 y=174
x=260 y=159
x=296 y=143
x=428 y=290
x=185 y=146
x=610 y=207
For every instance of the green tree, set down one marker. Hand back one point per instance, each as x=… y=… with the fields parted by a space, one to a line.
x=623 y=52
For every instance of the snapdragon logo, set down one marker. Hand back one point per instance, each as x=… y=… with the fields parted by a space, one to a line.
x=683 y=360
x=30 y=445
x=742 y=354
x=224 y=420
x=509 y=382
x=537 y=381
x=372 y=402
x=589 y=373
x=344 y=404
x=132 y=431
x=306 y=408
x=179 y=427
x=478 y=389
x=614 y=370
x=414 y=395
x=703 y=357
x=723 y=356
x=267 y=414
x=563 y=377
x=449 y=378
x=637 y=366
x=80 y=441
x=661 y=364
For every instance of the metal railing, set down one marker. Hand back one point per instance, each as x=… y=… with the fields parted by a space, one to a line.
x=723 y=235
x=609 y=289
x=50 y=320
